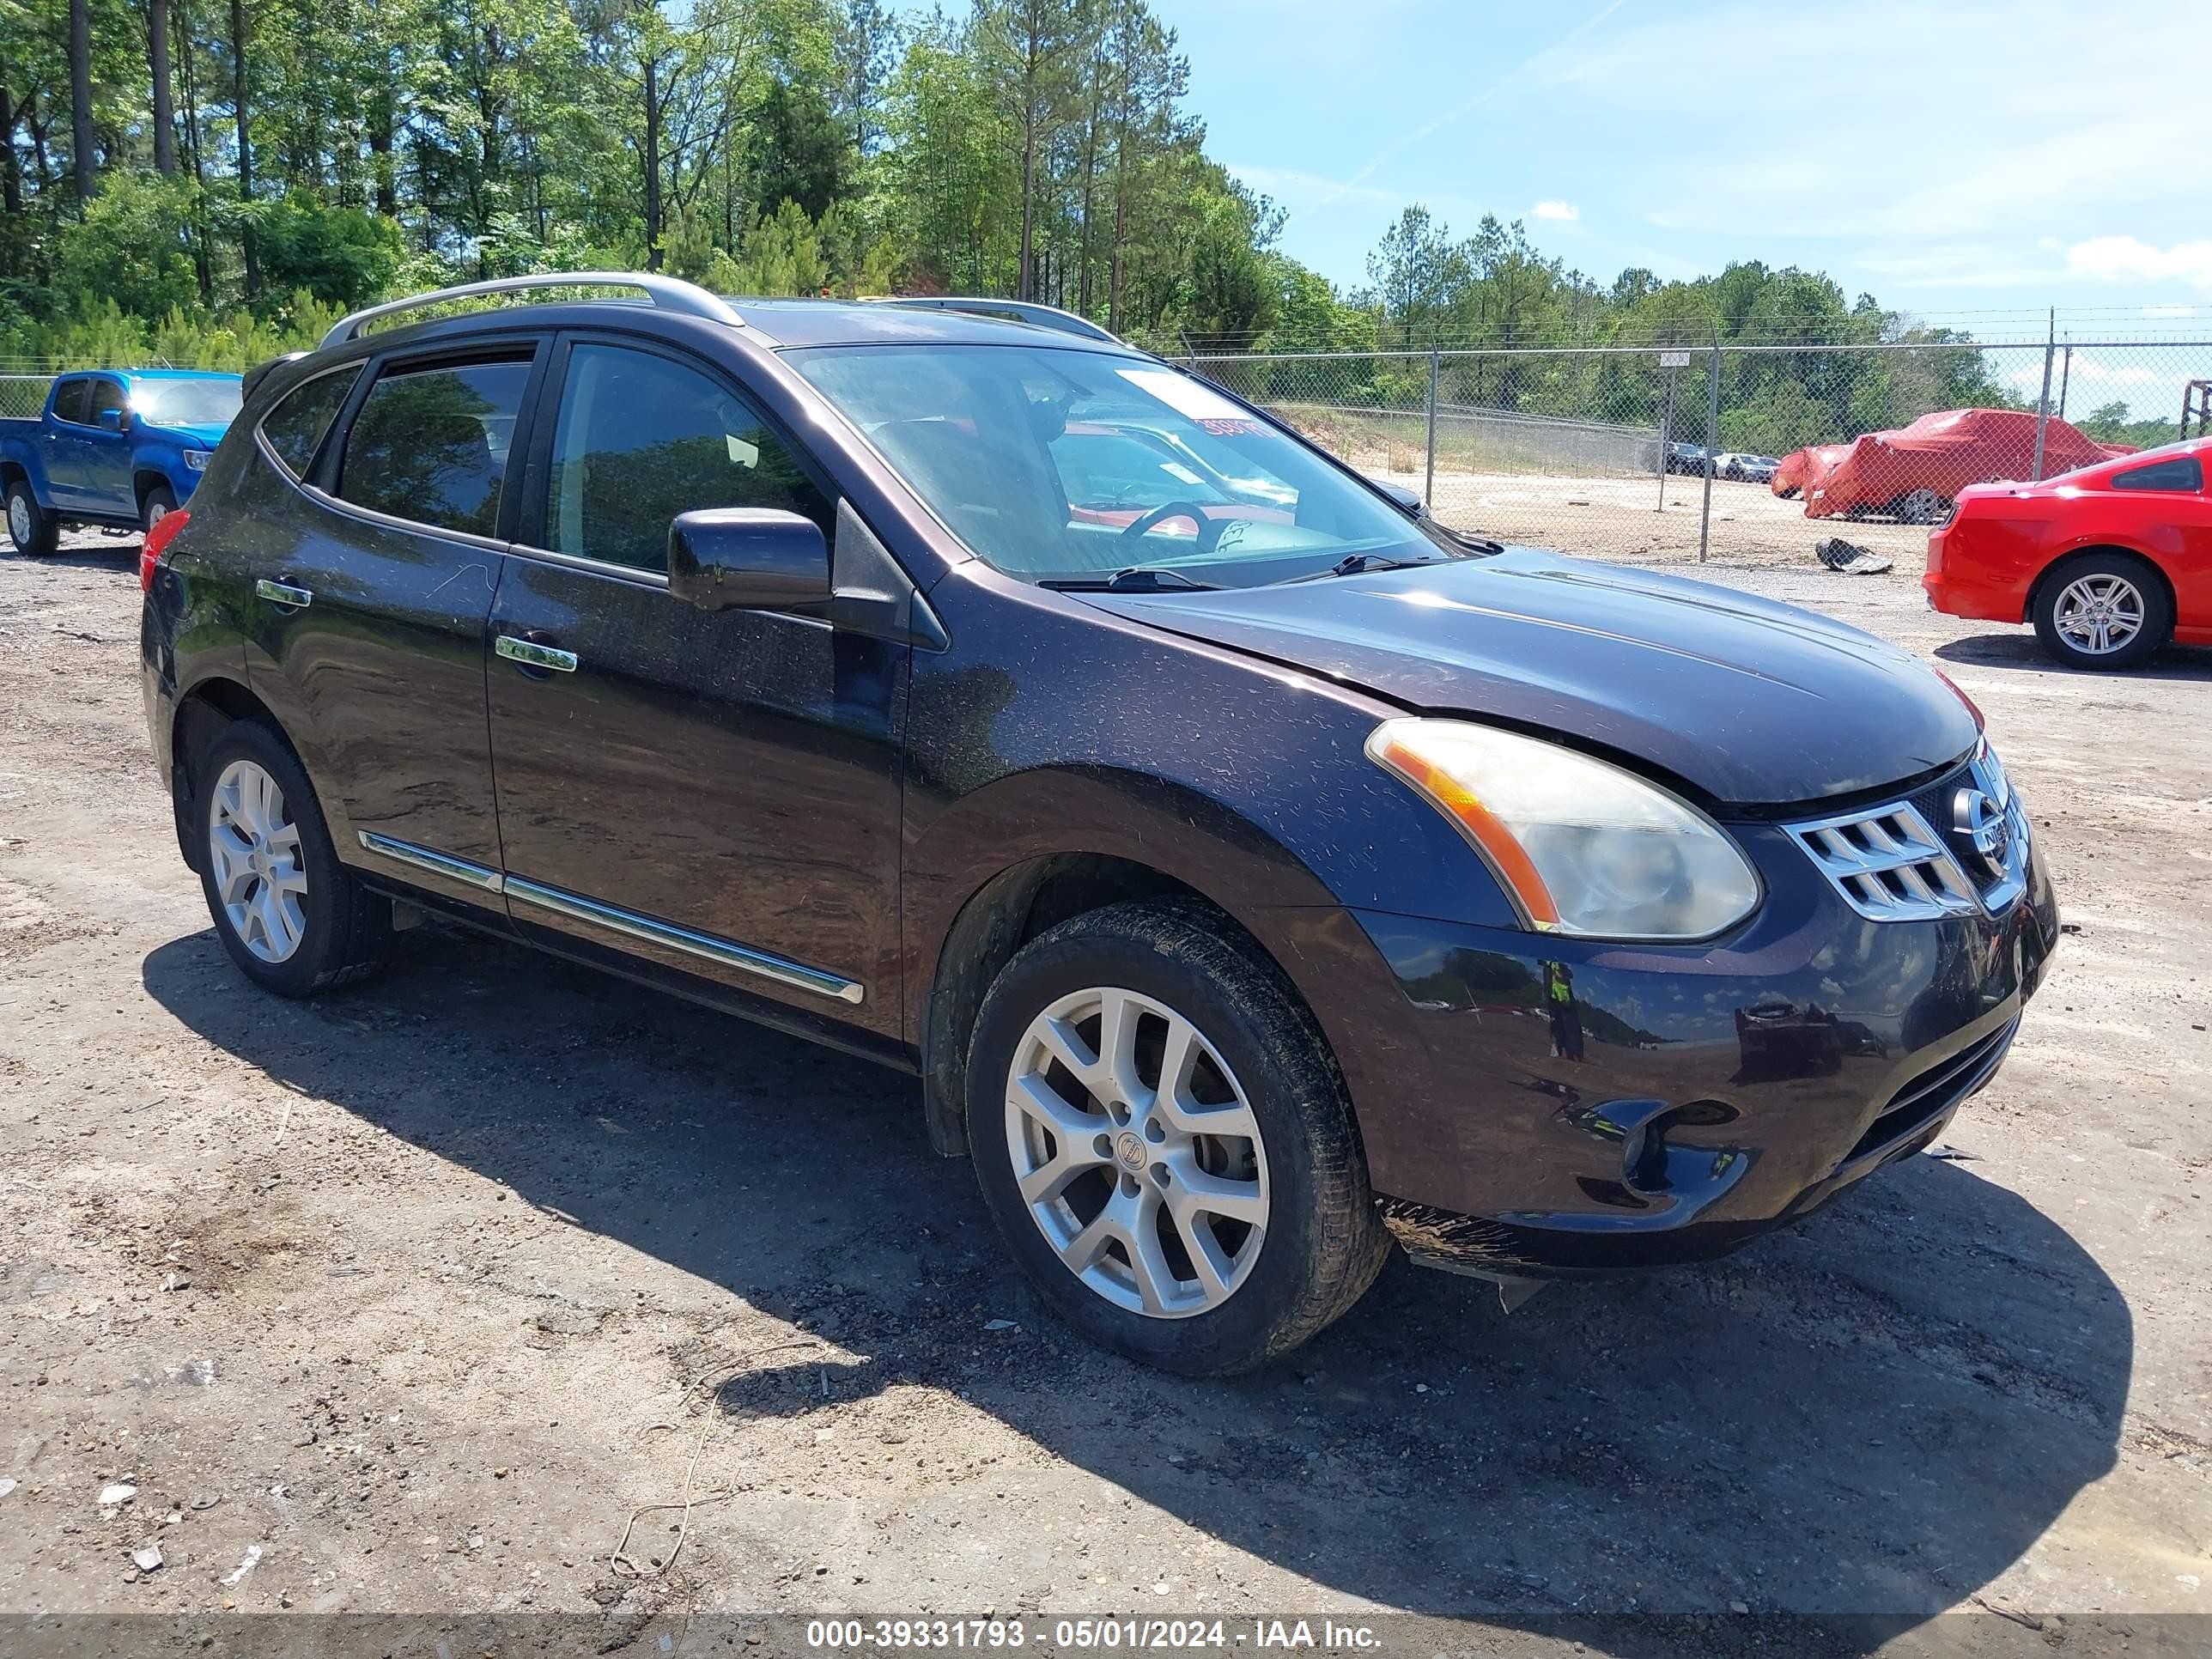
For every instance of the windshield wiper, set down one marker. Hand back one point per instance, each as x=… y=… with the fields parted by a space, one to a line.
x=1356 y=564
x=1136 y=579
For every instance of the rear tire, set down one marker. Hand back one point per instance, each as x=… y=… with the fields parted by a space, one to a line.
x=32 y=530
x=161 y=501
x=2103 y=611
x=1296 y=1240
x=293 y=918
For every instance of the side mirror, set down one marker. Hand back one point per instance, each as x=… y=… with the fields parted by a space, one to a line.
x=748 y=558
x=1408 y=501
x=110 y=420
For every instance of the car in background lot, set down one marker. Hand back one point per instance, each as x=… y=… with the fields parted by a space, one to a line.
x=1742 y=468
x=2109 y=563
x=1914 y=473
x=1686 y=457
x=113 y=448
x=758 y=653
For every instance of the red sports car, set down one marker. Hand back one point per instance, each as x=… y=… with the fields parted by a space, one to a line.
x=1915 y=472
x=2109 y=563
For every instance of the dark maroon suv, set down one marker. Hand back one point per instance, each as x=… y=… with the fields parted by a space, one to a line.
x=1253 y=872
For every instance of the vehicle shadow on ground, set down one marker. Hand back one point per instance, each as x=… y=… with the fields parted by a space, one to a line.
x=116 y=553
x=1873 y=1414
x=2019 y=650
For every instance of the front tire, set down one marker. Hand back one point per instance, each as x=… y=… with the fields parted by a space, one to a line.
x=2103 y=611
x=293 y=918
x=161 y=502
x=1165 y=1143
x=32 y=530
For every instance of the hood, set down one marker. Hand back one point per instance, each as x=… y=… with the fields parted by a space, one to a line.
x=1748 y=701
x=202 y=435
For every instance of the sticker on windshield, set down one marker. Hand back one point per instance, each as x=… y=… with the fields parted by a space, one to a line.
x=1191 y=398
x=1179 y=473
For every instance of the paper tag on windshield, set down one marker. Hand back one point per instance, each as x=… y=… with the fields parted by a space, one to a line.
x=1193 y=399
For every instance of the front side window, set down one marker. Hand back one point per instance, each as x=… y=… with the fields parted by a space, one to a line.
x=212 y=402
x=72 y=401
x=1064 y=465
x=105 y=396
x=2184 y=473
x=639 y=440
x=295 y=427
x=431 y=445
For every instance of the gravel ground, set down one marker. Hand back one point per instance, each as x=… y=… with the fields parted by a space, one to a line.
x=420 y=1291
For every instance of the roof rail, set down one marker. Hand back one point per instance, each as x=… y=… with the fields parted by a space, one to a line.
x=665 y=292
x=1032 y=311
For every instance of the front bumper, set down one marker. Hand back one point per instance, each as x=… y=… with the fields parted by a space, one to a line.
x=1543 y=1107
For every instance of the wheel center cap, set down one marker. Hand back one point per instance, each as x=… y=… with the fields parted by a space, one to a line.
x=1129 y=1151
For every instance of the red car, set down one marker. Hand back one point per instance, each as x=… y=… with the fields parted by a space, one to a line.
x=2109 y=562
x=1915 y=472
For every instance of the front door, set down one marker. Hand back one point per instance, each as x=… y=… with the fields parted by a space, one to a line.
x=103 y=455
x=375 y=574
x=717 y=792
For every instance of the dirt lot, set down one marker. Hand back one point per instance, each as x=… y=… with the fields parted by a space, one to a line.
x=420 y=1291
x=1622 y=518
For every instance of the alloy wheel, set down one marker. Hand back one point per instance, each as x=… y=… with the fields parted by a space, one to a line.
x=1136 y=1153
x=2098 y=613
x=1922 y=505
x=254 y=851
x=19 y=519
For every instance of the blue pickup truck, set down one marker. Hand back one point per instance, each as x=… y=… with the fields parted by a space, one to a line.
x=113 y=448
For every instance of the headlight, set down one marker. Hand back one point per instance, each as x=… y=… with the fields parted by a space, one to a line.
x=198 y=459
x=1583 y=848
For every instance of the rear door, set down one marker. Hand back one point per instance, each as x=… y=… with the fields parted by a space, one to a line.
x=63 y=442
x=371 y=604
x=716 y=792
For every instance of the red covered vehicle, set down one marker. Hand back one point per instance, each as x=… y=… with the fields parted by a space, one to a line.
x=2109 y=563
x=1915 y=472
x=1789 y=479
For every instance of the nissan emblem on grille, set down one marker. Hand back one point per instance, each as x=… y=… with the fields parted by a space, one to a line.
x=1891 y=865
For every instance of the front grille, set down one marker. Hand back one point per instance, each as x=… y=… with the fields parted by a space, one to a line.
x=1936 y=1091
x=1919 y=859
x=1888 y=864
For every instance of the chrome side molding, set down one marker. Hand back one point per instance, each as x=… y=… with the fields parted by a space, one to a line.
x=478 y=876
x=708 y=947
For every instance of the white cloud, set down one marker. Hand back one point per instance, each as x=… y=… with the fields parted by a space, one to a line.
x=2129 y=259
x=1566 y=210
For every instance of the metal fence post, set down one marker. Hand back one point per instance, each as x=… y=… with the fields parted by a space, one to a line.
x=1713 y=445
x=2043 y=407
x=1429 y=484
x=1666 y=426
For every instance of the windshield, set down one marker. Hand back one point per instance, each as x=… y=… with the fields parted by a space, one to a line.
x=185 y=402
x=1070 y=465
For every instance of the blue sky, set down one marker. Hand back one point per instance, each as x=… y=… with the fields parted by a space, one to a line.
x=1964 y=160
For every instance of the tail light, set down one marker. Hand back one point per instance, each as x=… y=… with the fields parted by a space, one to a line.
x=150 y=551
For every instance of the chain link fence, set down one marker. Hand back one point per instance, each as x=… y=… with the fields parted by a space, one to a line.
x=23 y=397
x=1746 y=454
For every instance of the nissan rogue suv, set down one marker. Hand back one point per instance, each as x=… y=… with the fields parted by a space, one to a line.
x=1254 y=878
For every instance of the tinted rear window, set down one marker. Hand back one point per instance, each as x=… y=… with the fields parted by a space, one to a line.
x=431 y=445
x=295 y=427
x=2182 y=472
x=71 y=399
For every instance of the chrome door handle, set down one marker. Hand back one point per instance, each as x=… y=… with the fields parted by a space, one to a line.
x=279 y=593
x=531 y=655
